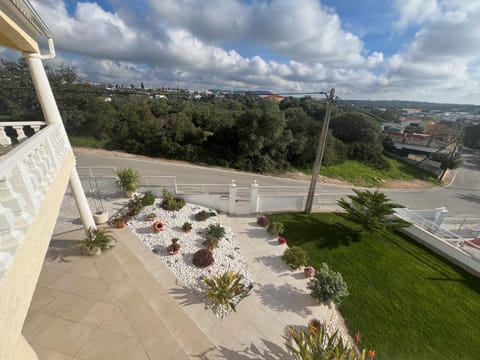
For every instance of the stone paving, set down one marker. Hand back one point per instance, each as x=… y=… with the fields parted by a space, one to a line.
x=125 y=304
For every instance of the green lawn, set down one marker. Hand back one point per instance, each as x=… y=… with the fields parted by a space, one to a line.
x=407 y=302
x=363 y=175
x=87 y=141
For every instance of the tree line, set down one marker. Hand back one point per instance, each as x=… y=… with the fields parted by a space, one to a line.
x=244 y=132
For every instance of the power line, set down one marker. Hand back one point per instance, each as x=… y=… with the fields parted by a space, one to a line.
x=362 y=110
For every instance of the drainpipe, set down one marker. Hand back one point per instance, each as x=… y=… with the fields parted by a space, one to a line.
x=52 y=116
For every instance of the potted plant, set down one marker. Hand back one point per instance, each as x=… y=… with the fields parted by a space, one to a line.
x=101 y=215
x=97 y=240
x=187 y=227
x=150 y=216
x=127 y=180
x=119 y=222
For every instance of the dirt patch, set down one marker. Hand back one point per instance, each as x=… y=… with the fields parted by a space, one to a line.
x=406 y=184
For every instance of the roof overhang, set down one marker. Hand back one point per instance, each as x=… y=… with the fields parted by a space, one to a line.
x=20 y=26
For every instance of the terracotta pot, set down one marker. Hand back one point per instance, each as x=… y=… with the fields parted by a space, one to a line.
x=157 y=226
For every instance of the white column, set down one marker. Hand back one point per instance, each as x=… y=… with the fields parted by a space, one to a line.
x=52 y=116
x=440 y=215
x=232 y=198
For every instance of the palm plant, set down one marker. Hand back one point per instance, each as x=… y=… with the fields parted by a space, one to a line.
x=215 y=230
x=127 y=180
x=372 y=210
x=97 y=239
x=225 y=290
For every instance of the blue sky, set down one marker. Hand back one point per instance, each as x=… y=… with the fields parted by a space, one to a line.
x=370 y=49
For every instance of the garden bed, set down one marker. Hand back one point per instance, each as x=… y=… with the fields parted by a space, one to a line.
x=226 y=255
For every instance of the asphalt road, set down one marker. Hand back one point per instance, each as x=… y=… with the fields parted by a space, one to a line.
x=460 y=197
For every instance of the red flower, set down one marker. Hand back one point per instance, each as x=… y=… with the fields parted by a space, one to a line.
x=282 y=240
x=371 y=354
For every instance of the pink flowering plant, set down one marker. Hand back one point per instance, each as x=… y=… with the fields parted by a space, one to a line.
x=282 y=240
x=309 y=271
x=263 y=221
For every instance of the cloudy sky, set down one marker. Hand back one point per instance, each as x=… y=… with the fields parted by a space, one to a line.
x=427 y=50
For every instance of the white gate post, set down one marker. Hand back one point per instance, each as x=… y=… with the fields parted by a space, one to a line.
x=254 y=198
x=232 y=198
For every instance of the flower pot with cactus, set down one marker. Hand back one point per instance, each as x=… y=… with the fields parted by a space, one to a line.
x=187 y=227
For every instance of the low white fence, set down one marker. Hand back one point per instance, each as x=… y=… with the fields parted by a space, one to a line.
x=224 y=197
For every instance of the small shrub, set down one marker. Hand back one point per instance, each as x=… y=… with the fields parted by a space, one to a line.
x=225 y=290
x=275 y=228
x=204 y=215
x=263 y=221
x=148 y=199
x=174 y=247
x=327 y=286
x=134 y=206
x=295 y=257
x=215 y=230
x=170 y=203
x=203 y=258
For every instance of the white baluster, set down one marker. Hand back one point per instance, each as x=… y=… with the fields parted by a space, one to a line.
x=9 y=237
x=4 y=139
x=36 y=172
x=20 y=134
x=15 y=202
x=24 y=180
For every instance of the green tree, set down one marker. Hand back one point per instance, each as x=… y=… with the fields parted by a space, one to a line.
x=471 y=136
x=373 y=211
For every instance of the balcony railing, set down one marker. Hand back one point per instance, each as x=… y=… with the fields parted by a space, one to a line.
x=21 y=128
x=26 y=173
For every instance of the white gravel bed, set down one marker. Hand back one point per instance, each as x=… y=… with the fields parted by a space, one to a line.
x=227 y=255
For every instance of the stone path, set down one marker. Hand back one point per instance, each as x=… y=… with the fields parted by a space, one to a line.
x=125 y=304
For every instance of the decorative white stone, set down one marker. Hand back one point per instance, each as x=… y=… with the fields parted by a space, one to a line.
x=227 y=255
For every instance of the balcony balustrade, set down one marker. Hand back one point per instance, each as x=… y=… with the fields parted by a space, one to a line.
x=22 y=128
x=26 y=173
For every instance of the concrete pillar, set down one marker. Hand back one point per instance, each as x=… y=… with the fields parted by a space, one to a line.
x=232 y=198
x=254 y=197
x=440 y=215
x=52 y=116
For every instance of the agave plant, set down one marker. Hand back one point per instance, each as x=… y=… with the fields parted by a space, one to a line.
x=225 y=290
x=319 y=345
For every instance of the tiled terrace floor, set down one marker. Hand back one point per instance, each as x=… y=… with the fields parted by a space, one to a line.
x=125 y=304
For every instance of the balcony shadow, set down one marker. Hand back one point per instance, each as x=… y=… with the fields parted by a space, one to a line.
x=185 y=296
x=284 y=298
x=270 y=351
x=273 y=262
x=61 y=250
x=469 y=197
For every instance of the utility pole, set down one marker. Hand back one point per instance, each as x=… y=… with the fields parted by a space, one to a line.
x=452 y=153
x=320 y=150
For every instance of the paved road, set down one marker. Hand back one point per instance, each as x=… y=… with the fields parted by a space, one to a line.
x=461 y=197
